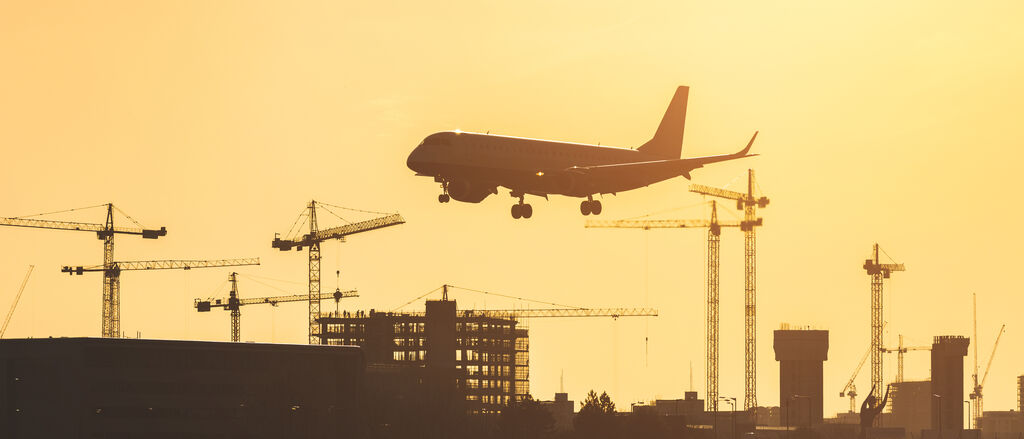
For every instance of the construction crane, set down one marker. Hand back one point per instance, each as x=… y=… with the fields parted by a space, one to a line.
x=233 y=303
x=561 y=312
x=7 y=320
x=900 y=350
x=313 y=239
x=747 y=202
x=110 y=322
x=978 y=401
x=112 y=279
x=850 y=389
x=878 y=272
x=711 y=307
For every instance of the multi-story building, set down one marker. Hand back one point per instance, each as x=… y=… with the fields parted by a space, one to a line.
x=562 y=410
x=489 y=350
x=997 y=424
x=911 y=406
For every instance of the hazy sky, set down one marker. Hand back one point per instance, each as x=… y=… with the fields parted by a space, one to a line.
x=890 y=122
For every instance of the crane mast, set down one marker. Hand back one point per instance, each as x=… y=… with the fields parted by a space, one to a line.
x=978 y=406
x=878 y=273
x=711 y=310
x=747 y=202
x=234 y=307
x=711 y=307
x=110 y=325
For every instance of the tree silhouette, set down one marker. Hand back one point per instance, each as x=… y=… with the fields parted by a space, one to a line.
x=596 y=419
x=526 y=419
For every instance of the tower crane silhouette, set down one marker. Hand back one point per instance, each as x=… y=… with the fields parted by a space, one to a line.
x=977 y=409
x=878 y=272
x=711 y=307
x=747 y=202
x=110 y=325
x=233 y=303
x=313 y=239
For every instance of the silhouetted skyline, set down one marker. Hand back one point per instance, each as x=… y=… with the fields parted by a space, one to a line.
x=894 y=123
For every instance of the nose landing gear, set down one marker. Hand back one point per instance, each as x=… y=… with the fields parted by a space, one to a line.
x=590 y=206
x=444 y=197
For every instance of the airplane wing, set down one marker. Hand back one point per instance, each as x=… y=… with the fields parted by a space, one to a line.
x=671 y=166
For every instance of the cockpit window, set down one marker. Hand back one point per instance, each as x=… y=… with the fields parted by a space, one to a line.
x=438 y=139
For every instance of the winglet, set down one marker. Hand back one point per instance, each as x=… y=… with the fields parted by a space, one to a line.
x=749 y=144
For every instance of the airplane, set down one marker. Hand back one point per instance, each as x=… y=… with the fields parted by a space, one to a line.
x=471 y=166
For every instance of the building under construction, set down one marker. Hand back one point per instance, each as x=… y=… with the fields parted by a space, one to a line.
x=490 y=352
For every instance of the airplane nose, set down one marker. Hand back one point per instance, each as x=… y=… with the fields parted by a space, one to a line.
x=415 y=160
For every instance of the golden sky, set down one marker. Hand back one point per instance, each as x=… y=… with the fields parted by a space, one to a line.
x=896 y=123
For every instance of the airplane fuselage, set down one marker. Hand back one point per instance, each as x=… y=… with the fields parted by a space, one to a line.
x=531 y=166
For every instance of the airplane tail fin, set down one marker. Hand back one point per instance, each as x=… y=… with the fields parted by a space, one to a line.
x=668 y=140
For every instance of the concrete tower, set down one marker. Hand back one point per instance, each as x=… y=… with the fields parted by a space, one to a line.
x=440 y=332
x=948 y=354
x=801 y=354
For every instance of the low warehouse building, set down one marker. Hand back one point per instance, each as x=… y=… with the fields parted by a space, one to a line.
x=113 y=388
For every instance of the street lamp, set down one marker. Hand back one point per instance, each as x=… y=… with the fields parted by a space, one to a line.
x=808 y=398
x=732 y=402
x=940 y=412
x=968 y=402
x=790 y=404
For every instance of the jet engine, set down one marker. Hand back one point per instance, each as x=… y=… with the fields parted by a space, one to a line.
x=467 y=192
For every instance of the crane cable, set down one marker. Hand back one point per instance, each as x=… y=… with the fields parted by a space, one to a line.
x=487 y=293
x=127 y=216
x=353 y=210
x=266 y=284
x=417 y=298
x=671 y=209
x=517 y=298
x=296 y=225
x=62 y=211
x=335 y=214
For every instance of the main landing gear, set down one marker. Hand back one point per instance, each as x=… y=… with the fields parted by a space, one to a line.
x=590 y=206
x=521 y=209
x=444 y=197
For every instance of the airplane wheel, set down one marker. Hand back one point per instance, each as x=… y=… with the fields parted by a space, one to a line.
x=585 y=207
x=443 y=198
x=527 y=210
x=595 y=207
x=515 y=211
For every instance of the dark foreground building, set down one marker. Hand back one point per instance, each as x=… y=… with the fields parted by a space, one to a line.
x=123 y=388
x=912 y=407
